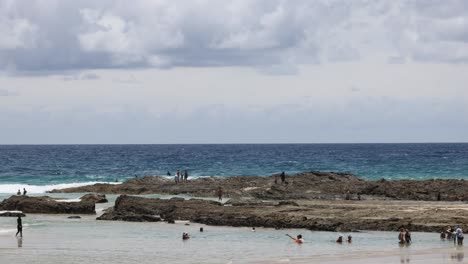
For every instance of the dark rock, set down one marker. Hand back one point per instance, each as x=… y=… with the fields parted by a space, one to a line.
x=329 y=216
x=306 y=186
x=247 y=202
x=74 y=217
x=45 y=205
x=94 y=198
x=291 y=203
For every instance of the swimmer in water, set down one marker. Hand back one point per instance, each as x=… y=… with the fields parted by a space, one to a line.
x=340 y=239
x=298 y=240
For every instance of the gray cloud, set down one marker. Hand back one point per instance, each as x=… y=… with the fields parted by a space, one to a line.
x=82 y=76
x=4 y=92
x=272 y=35
x=354 y=89
x=371 y=119
x=90 y=76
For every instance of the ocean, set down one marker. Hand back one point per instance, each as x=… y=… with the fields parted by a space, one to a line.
x=44 y=167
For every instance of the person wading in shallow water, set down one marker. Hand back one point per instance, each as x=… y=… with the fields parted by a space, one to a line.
x=19 y=226
x=298 y=240
x=401 y=236
x=407 y=236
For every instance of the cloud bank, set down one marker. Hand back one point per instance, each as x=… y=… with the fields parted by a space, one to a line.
x=273 y=35
x=365 y=120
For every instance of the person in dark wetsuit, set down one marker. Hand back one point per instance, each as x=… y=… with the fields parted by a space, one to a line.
x=283 y=177
x=220 y=194
x=185 y=176
x=24 y=191
x=19 y=226
x=407 y=236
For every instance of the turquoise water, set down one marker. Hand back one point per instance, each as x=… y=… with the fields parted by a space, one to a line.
x=41 y=165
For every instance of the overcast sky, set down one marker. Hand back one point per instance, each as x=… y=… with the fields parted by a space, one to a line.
x=253 y=71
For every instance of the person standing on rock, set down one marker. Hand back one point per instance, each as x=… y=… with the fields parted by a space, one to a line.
x=283 y=177
x=185 y=176
x=220 y=194
x=19 y=226
x=177 y=176
x=24 y=191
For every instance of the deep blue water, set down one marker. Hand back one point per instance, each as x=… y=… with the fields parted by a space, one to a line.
x=52 y=164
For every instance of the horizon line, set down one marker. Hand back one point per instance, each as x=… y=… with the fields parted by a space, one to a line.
x=282 y=143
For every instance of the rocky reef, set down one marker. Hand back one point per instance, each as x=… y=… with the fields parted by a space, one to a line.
x=307 y=185
x=314 y=215
x=46 y=205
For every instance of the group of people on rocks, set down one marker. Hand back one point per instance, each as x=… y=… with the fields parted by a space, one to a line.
x=19 y=192
x=180 y=176
x=453 y=233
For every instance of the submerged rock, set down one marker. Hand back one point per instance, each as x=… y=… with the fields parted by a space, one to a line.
x=74 y=217
x=46 y=205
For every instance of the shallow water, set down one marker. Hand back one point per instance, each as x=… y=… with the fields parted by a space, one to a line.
x=56 y=239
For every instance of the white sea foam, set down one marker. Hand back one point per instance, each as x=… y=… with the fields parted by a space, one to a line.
x=11 y=211
x=14 y=187
x=6 y=231
x=69 y=200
